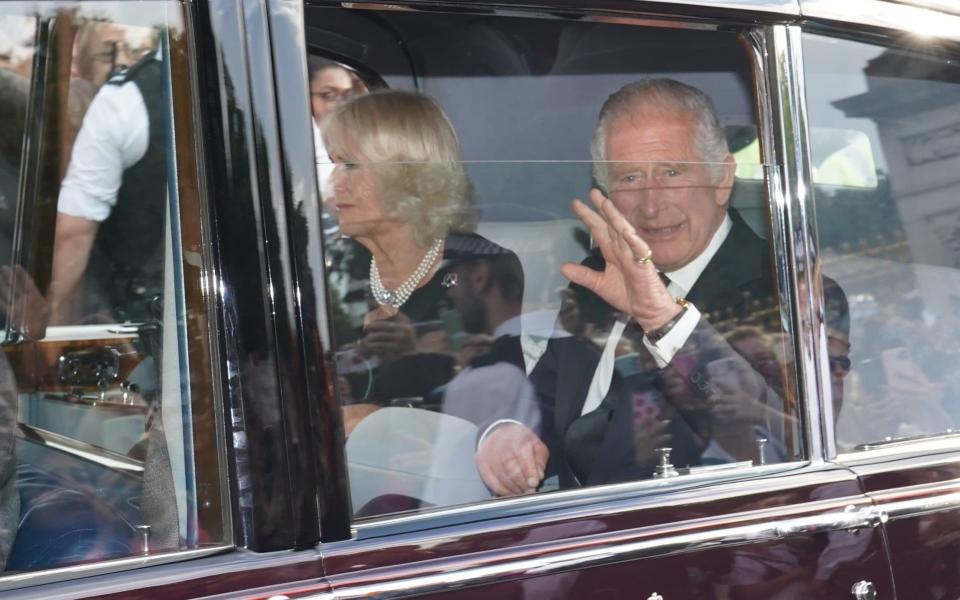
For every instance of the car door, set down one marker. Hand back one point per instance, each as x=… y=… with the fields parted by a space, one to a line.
x=404 y=514
x=111 y=431
x=873 y=87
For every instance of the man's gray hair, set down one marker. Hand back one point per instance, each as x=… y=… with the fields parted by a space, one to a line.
x=662 y=97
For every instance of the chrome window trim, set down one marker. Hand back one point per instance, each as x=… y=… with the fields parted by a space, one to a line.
x=906 y=509
x=791 y=178
x=781 y=7
x=649 y=493
x=701 y=15
x=32 y=578
x=906 y=441
x=77 y=333
x=211 y=281
x=932 y=444
x=771 y=106
x=758 y=526
x=917 y=20
x=683 y=8
x=918 y=500
x=101 y=456
x=948 y=6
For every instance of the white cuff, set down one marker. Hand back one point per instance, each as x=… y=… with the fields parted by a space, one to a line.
x=667 y=347
x=493 y=426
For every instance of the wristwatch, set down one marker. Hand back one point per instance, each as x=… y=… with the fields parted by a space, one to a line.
x=657 y=334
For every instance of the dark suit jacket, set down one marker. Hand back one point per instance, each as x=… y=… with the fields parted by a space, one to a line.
x=736 y=288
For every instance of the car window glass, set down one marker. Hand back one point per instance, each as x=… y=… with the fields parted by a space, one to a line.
x=847 y=160
x=467 y=365
x=892 y=247
x=108 y=443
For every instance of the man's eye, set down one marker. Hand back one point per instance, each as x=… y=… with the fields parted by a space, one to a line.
x=629 y=179
x=671 y=172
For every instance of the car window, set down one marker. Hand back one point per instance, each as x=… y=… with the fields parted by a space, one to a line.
x=468 y=367
x=893 y=247
x=847 y=160
x=108 y=442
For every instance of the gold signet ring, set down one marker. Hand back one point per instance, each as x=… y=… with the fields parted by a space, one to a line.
x=644 y=259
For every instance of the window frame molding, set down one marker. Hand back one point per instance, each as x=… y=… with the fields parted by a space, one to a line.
x=186 y=144
x=773 y=59
x=888 y=32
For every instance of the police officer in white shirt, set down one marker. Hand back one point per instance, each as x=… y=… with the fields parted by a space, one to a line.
x=111 y=207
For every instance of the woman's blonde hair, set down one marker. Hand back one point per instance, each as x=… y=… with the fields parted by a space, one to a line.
x=408 y=141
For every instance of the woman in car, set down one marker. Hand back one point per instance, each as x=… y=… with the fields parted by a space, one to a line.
x=421 y=278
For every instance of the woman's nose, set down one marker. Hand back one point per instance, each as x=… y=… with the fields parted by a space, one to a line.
x=337 y=179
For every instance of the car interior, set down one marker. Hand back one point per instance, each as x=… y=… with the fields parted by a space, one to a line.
x=538 y=85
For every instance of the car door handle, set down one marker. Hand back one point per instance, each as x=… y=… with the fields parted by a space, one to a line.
x=851 y=518
x=864 y=590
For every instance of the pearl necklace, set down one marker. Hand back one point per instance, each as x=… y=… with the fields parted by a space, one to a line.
x=397 y=297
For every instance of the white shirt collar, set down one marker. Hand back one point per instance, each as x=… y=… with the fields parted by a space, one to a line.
x=686 y=276
x=511 y=326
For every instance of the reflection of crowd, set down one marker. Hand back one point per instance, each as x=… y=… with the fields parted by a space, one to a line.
x=330 y=84
x=100 y=51
x=14 y=95
x=16 y=43
x=902 y=375
x=100 y=237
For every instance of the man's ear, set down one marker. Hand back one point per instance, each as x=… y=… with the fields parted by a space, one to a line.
x=480 y=275
x=725 y=185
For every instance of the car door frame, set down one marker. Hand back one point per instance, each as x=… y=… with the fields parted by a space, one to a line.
x=265 y=390
x=410 y=571
x=906 y=479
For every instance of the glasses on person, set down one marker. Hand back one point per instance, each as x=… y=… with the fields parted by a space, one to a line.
x=840 y=365
x=330 y=95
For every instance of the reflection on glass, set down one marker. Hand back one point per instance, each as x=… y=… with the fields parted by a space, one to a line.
x=496 y=334
x=96 y=434
x=17 y=34
x=892 y=247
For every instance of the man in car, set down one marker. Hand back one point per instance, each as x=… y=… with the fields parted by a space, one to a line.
x=676 y=268
x=486 y=289
x=110 y=211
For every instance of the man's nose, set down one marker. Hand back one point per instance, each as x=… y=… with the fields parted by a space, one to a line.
x=649 y=200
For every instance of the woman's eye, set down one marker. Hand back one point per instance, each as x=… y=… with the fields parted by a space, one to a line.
x=341 y=162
